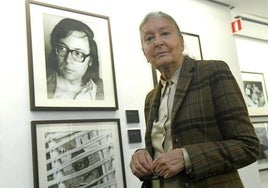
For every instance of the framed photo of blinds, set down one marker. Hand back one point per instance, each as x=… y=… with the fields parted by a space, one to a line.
x=77 y=153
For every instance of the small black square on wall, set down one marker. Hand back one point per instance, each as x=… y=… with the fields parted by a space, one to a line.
x=134 y=136
x=132 y=116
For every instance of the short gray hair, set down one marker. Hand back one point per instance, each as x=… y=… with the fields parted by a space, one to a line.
x=160 y=14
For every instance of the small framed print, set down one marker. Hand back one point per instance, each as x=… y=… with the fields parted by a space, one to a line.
x=77 y=153
x=192 y=48
x=134 y=136
x=261 y=129
x=255 y=93
x=132 y=116
x=70 y=59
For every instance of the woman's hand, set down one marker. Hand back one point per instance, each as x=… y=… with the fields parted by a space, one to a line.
x=169 y=164
x=141 y=163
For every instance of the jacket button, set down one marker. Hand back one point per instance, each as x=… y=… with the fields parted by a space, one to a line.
x=186 y=184
x=190 y=170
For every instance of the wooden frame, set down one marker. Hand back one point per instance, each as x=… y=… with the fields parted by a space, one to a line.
x=74 y=153
x=192 y=48
x=41 y=20
x=255 y=93
x=261 y=129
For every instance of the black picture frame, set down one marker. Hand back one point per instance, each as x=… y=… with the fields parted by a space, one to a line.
x=192 y=48
x=134 y=136
x=132 y=116
x=261 y=129
x=76 y=153
x=41 y=18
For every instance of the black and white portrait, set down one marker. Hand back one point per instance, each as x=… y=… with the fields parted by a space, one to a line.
x=254 y=94
x=72 y=63
x=70 y=59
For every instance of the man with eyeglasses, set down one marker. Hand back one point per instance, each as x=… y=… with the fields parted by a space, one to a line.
x=73 y=65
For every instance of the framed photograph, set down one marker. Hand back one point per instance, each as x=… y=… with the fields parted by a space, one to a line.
x=255 y=93
x=70 y=59
x=192 y=48
x=261 y=129
x=77 y=153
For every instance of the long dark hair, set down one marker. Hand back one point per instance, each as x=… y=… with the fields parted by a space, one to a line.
x=62 y=30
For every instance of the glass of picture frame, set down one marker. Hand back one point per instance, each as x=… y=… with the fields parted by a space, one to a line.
x=261 y=129
x=255 y=93
x=77 y=153
x=98 y=86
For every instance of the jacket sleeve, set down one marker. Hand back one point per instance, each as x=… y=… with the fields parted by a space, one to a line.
x=227 y=141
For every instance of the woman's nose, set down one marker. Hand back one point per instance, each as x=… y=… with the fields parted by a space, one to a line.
x=158 y=41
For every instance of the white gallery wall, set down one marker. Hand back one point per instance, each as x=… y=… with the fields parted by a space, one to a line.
x=133 y=74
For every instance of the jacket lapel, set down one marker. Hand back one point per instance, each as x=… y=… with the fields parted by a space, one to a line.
x=153 y=114
x=185 y=78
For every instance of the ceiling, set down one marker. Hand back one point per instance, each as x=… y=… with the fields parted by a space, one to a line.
x=252 y=8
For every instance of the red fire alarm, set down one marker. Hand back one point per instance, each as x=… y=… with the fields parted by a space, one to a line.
x=236 y=25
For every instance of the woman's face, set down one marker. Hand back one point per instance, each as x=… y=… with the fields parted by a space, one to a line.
x=75 y=44
x=161 y=43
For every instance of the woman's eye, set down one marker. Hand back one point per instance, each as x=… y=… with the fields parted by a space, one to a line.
x=165 y=33
x=149 y=38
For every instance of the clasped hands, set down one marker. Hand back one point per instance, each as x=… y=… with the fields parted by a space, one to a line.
x=165 y=165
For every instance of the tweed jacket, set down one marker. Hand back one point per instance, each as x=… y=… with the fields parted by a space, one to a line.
x=210 y=120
